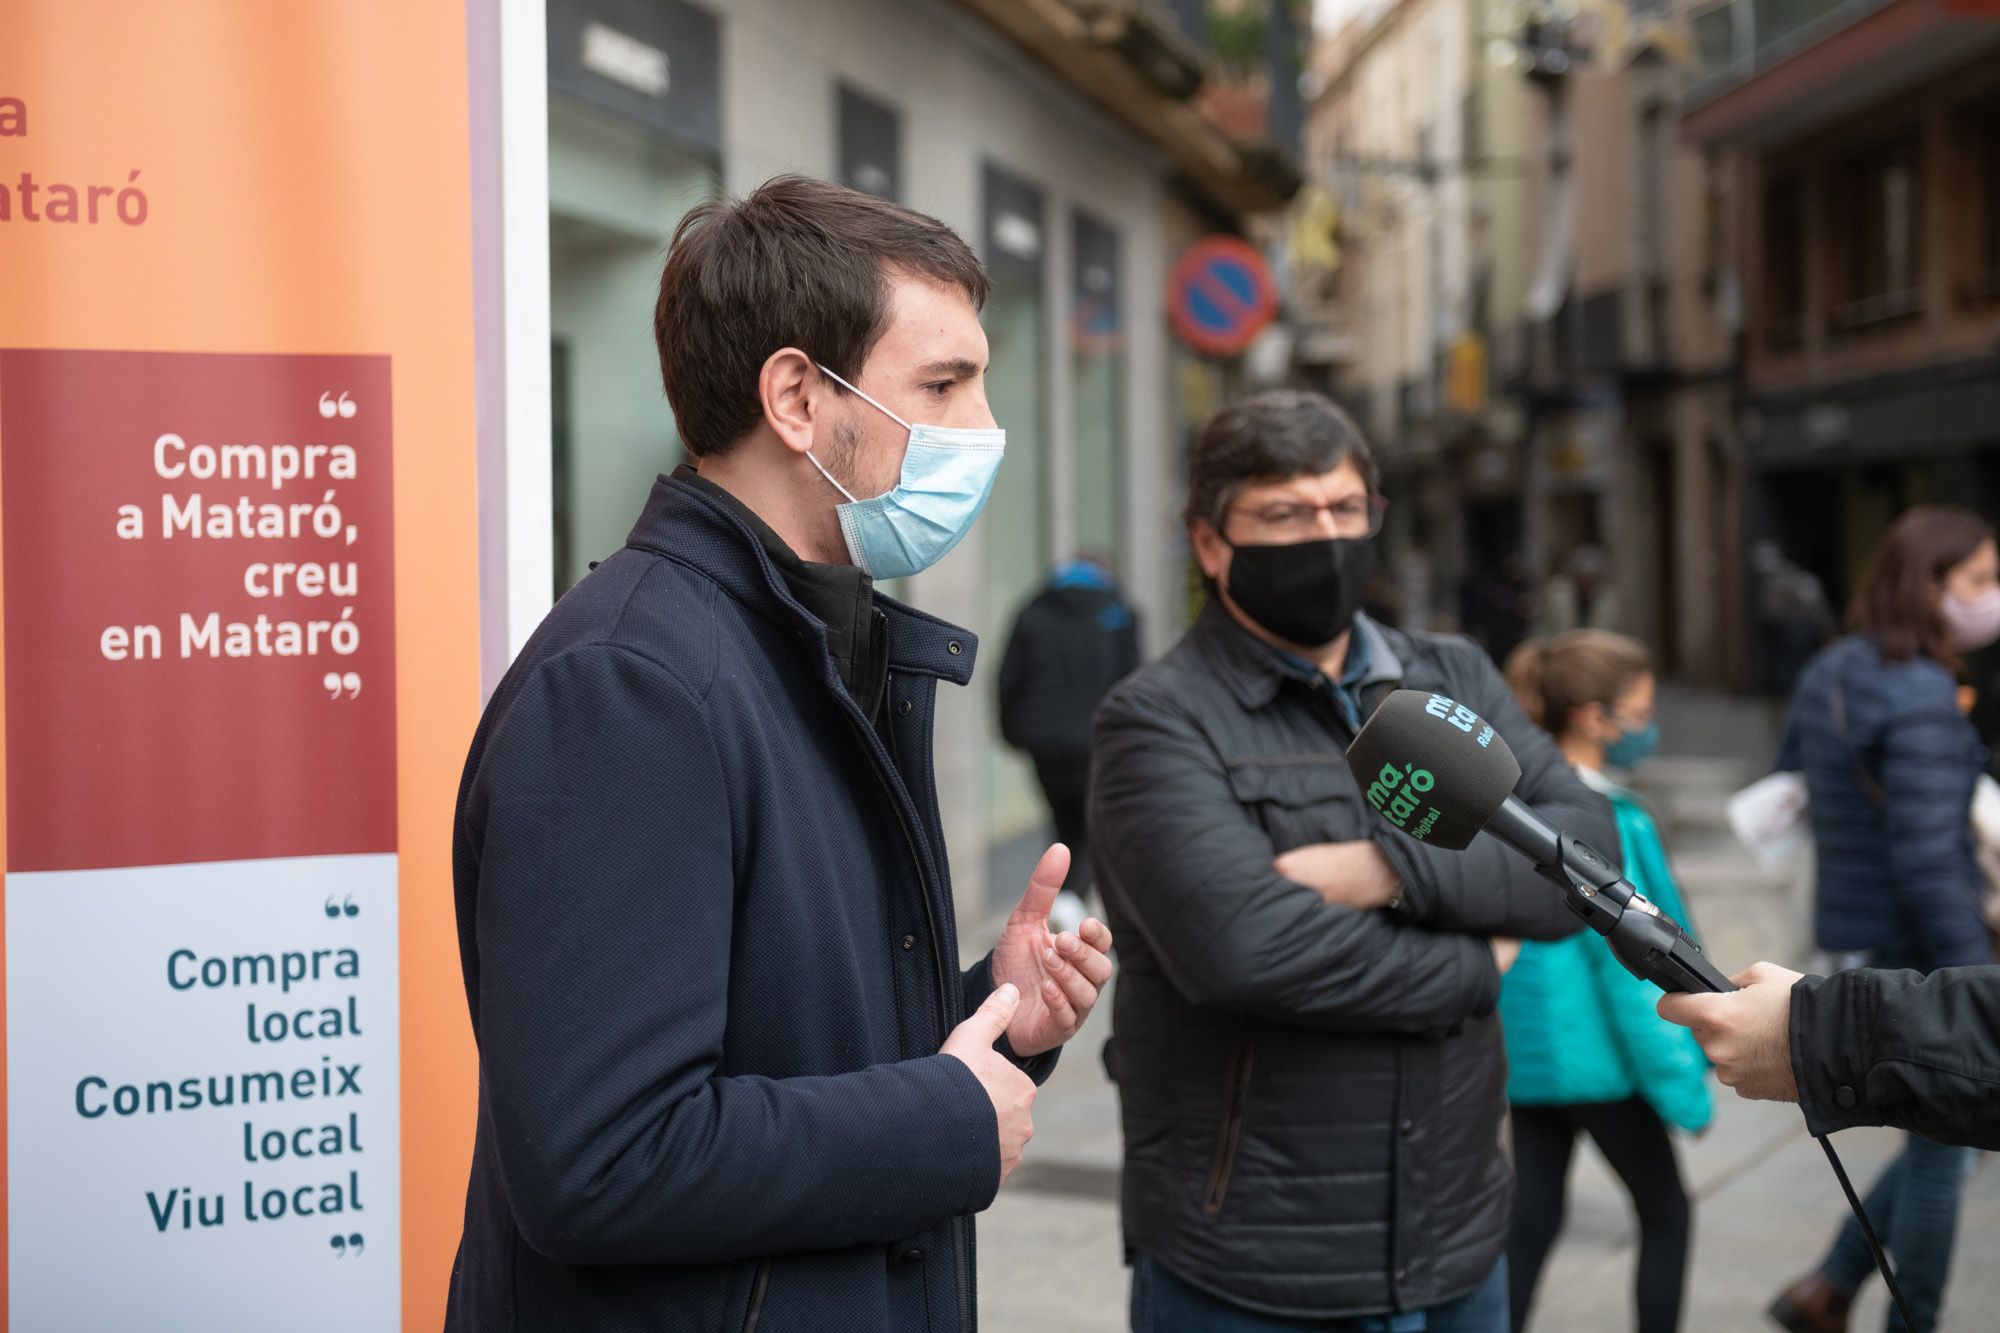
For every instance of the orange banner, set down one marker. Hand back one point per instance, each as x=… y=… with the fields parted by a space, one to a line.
x=238 y=549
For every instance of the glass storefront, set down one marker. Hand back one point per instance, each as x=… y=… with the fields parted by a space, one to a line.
x=1097 y=389
x=616 y=192
x=1016 y=526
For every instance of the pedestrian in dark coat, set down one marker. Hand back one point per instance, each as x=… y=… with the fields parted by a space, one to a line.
x=1072 y=642
x=1890 y=761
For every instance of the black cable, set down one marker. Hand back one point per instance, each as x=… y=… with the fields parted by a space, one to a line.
x=1868 y=1232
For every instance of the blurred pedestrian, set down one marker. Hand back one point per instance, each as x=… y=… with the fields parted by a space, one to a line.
x=1793 y=614
x=1586 y=1052
x=1579 y=594
x=1497 y=606
x=1890 y=762
x=1076 y=639
x=1308 y=1064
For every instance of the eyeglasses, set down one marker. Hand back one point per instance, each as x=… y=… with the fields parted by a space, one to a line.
x=1295 y=520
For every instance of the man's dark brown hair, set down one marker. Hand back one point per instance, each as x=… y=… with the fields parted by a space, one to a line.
x=1271 y=436
x=799 y=263
x=1898 y=599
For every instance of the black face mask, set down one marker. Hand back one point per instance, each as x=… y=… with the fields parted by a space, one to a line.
x=1305 y=593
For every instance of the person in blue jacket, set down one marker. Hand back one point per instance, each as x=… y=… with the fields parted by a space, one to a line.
x=1587 y=1053
x=1890 y=762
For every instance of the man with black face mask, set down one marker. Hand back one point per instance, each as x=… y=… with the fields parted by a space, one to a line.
x=1304 y=1042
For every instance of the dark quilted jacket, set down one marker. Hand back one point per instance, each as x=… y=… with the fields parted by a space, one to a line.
x=1312 y=1095
x=1890 y=802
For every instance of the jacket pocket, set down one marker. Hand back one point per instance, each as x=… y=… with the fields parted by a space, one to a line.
x=754 y=1311
x=1299 y=800
x=1230 y=1135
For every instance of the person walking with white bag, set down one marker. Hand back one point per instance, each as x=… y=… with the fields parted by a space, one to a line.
x=1889 y=763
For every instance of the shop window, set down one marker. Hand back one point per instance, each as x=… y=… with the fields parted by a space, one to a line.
x=871 y=144
x=1784 y=245
x=1097 y=387
x=1980 y=280
x=1876 y=235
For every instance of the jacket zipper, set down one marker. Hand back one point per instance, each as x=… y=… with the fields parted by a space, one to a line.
x=937 y=981
x=1232 y=1127
x=756 y=1310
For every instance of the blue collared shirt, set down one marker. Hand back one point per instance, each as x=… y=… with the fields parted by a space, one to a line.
x=1345 y=692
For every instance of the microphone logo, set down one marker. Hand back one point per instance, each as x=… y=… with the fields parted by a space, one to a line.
x=1459 y=716
x=1398 y=794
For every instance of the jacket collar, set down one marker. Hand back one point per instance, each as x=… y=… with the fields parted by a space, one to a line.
x=1254 y=673
x=697 y=530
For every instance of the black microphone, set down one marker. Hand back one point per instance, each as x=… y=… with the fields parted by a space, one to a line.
x=1442 y=774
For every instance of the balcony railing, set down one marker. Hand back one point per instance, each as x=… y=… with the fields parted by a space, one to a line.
x=1738 y=38
x=1873 y=313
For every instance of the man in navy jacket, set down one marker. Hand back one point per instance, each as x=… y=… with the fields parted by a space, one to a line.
x=727 y=1074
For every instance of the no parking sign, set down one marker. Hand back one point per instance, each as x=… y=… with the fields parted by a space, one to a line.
x=1221 y=296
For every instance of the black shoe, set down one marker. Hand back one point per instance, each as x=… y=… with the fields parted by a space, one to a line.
x=1812 y=1305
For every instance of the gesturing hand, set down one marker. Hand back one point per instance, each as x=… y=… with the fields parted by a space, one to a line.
x=1011 y=1091
x=1746 y=1033
x=1059 y=976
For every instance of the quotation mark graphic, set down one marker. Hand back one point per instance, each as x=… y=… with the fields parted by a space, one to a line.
x=336 y=684
x=330 y=407
x=342 y=1244
x=345 y=907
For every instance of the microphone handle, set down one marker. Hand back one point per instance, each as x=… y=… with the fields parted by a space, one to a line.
x=1649 y=945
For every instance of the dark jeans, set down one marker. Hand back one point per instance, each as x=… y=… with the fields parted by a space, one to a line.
x=1065 y=779
x=1635 y=1143
x=1914 y=1208
x=1162 y=1303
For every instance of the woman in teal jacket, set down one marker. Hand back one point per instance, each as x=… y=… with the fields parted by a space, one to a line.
x=1587 y=1053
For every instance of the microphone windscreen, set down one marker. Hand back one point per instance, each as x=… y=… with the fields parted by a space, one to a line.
x=1433 y=768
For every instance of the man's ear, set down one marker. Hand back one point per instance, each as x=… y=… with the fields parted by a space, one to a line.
x=793 y=395
x=1210 y=551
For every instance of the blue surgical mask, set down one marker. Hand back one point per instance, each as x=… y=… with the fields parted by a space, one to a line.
x=947 y=475
x=1633 y=748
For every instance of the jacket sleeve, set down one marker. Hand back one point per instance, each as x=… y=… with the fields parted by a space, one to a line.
x=604 y=912
x=1178 y=852
x=1489 y=889
x=1666 y=1060
x=1917 y=1052
x=1928 y=777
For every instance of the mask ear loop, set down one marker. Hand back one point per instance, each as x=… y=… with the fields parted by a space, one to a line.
x=864 y=398
x=829 y=477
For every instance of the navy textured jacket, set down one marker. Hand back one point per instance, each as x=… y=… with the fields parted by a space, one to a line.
x=1889 y=763
x=709 y=949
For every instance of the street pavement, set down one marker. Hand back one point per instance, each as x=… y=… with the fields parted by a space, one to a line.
x=1050 y=1259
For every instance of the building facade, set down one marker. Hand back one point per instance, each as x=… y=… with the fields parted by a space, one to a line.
x=1534 y=312
x=1863 y=144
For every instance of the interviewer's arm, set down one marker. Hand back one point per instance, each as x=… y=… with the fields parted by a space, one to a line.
x=1918 y=1052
